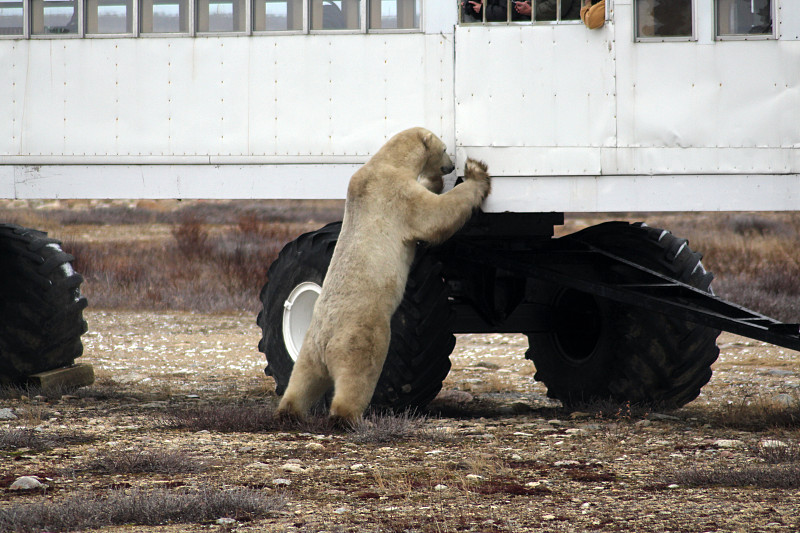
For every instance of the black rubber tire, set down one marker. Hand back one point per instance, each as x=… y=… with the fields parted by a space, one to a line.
x=419 y=354
x=41 y=310
x=623 y=353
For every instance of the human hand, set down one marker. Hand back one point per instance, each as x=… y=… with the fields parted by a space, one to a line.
x=476 y=6
x=523 y=8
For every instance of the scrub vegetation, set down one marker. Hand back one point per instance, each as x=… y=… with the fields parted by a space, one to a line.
x=213 y=256
x=178 y=433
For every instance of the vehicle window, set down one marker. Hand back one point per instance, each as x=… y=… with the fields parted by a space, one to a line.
x=109 y=16
x=11 y=17
x=221 y=16
x=743 y=17
x=75 y=18
x=54 y=17
x=477 y=11
x=335 y=14
x=277 y=15
x=393 y=14
x=663 y=18
x=164 y=16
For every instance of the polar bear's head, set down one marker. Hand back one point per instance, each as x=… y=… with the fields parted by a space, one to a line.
x=437 y=162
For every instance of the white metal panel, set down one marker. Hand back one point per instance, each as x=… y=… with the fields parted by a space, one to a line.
x=262 y=137
x=539 y=161
x=92 y=98
x=300 y=95
x=645 y=193
x=724 y=94
x=620 y=126
x=439 y=17
x=178 y=181
x=535 y=86
x=7 y=183
x=12 y=91
x=789 y=20
x=42 y=106
x=438 y=81
x=303 y=95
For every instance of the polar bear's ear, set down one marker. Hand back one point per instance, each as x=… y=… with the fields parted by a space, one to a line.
x=427 y=139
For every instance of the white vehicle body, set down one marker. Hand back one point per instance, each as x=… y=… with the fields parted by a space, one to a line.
x=568 y=119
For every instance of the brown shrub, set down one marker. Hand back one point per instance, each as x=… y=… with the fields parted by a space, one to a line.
x=242 y=418
x=198 y=270
x=145 y=508
x=763 y=476
x=144 y=461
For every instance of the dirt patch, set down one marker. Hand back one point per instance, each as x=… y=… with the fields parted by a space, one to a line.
x=493 y=454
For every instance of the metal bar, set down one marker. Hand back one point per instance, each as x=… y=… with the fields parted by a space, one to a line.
x=682 y=301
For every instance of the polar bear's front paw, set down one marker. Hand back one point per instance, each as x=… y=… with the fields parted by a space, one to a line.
x=478 y=171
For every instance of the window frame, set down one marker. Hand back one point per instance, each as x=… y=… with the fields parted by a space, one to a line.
x=745 y=36
x=138 y=15
x=77 y=35
x=26 y=28
x=362 y=26
x=208 y=33
x=303 y=21
x=96 y=35
x=417 y=29
x=531 y=22
x=161 y=34
x=665 y=39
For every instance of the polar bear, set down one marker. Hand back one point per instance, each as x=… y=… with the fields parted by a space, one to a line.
x=393 y=202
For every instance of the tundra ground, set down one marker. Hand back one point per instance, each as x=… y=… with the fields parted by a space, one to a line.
x=180 y=416
x=491 y=454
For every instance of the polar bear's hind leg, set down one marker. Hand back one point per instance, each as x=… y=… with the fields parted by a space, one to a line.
x=355 y=377
x=308 y=382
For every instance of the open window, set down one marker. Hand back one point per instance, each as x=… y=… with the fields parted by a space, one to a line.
x=277 y=15
x=58 y=17
x=335 y=14
x=743 y=19
x=394 y=14
x=547 y=11
x=164 y=16
x=12 y=17
x=221 y=16
x=109 y=17
x=662 y=20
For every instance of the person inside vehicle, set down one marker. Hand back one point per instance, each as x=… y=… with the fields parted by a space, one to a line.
x=593 y=13
x=496 y=11
x=547 y=9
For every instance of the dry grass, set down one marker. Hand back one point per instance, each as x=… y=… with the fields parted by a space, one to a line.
x=762 y=476
x=196 y=270
x=139 y=461
x=213 y=258
x=375 y=428
x=755 y=257
x=391 y=428
x=242 y=418
x=215 y=255
x=143 y=508
x=777 y=452
x=756 y=413
x=31 y=439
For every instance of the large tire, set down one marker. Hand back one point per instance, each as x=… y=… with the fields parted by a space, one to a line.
x=602 y=350
x=41 y=309
x=419 y=353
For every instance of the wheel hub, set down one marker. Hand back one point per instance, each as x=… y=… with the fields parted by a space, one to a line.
x=578 y=325
x=297 y=311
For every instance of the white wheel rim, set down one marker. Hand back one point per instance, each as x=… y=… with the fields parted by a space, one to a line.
x=297 y=311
